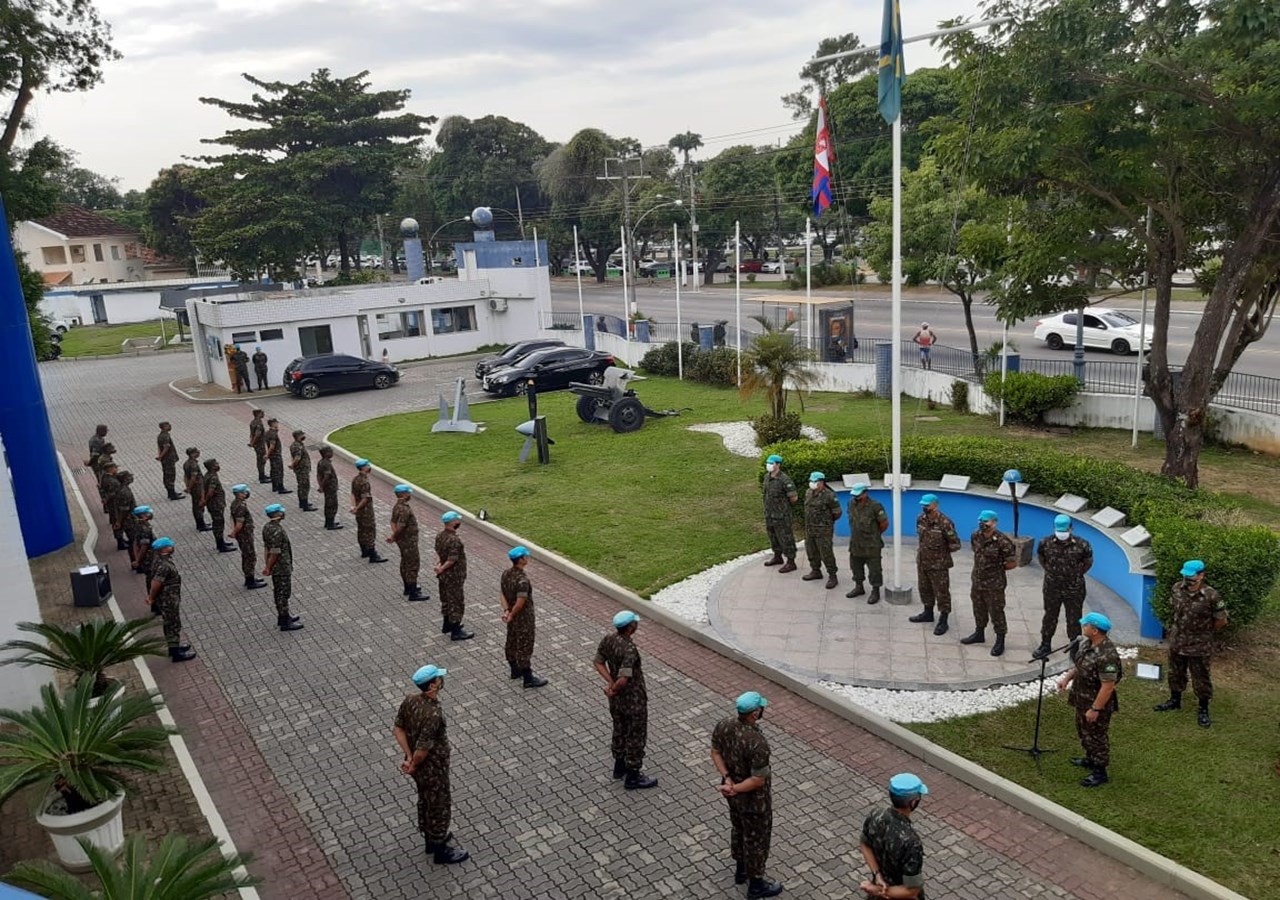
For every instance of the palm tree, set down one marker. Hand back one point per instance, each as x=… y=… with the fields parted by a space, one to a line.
x=773 y=361
x=88 y=650
x=178 y=870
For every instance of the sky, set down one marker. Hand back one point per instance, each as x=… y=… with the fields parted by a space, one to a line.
x=647 y=70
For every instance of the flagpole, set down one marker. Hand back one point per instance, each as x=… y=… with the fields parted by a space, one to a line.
x=895 y=381
x=737 y=291
x=675 y=243
x=808 y=275
x=577 y=266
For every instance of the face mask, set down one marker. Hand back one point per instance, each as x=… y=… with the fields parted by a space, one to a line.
x=813 y=485
x=773 y=468
x=1062 y=535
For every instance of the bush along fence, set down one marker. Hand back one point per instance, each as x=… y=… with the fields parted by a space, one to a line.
x=1243 y=560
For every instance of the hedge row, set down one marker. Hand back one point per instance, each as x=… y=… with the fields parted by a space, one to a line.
x=718 y=366
x=1243 y=560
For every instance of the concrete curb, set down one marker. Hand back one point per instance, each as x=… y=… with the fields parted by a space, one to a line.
x=1159 y=869
x=238 y=398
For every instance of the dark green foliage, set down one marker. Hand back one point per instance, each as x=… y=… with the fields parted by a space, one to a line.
x=960 y=396
x=771 y=429
x=718 y=367
x=1029 y=395
x=662 y=360
x=825 y=275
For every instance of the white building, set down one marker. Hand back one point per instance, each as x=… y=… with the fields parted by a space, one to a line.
x=76 y=246
x=116 y=304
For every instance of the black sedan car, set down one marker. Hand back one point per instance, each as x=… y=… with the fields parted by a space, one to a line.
x=551 y=370
x=311 y=376
x=512 y=355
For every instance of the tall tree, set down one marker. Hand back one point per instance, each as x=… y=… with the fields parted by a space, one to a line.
x=685 y=144
x=172 y=203
x=824 y=77
x=29 y=192
x=738 y=185
x=83 y=187
x=569 y=178
x=321 y=162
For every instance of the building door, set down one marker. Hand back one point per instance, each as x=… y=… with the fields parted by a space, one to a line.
x=98 y=307
x=316 y=340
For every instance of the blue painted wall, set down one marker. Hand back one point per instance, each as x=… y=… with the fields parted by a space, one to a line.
x=500 y=254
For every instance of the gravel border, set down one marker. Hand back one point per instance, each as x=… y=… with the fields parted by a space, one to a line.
x=740 y=437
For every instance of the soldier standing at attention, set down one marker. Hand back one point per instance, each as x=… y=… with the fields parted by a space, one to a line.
x=327 y=482
x=122 y=504
x=275 y=544
x=867 y=524
x=937 y=538
x=1198 y=611
x=1065 y=558
x=143 y=538
x=300 y=462
x=215 y=500
x=1093 y=677
x=106 y=459
x=362 y=508
x=167 y=454
x=890 y=845
x=404 y=534
x=96 y=443
x=779 y=496
x=421 y=735
x=258 y=441
x=618 y=662
x=240 y=361
x=165 y=597
x=993 y=555
x=193 y=479
x=451 y=575
x=107 y=488
x=821 y=510
x=740 y=754
x=242 y=534
x=260 y=367
x=518 y=616
x=275 y=457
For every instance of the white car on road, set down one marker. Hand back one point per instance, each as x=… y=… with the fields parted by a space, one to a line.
x=1105 y=329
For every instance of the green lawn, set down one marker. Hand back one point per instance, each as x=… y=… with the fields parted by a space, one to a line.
x=104 y=340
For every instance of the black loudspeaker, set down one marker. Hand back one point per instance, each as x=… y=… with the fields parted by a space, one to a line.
x=91 y=585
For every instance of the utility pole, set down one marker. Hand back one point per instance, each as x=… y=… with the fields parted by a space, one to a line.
x=520 y=213
x=627 y=250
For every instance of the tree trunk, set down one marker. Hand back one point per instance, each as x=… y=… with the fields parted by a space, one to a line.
x=18 y=111
x=966 y=303
x=344 y=257
x=713 y=261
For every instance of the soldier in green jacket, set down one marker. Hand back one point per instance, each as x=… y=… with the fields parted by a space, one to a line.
x=1095 y=672
x=779 y=496
x=867 y=525
x=821 y=510
x=1198 y=611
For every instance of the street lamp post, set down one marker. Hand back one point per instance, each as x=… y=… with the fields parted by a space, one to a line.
x=519 y=219
x=431 y=241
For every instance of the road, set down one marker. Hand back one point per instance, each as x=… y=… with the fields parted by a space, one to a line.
x=872 y=315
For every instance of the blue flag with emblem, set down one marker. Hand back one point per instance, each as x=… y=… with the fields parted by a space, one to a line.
x=892 y=68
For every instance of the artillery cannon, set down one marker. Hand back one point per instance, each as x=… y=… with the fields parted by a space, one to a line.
x=614 y=403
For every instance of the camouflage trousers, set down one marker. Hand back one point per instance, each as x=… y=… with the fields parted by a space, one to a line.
x=435 y=803
x=197 y=507
x=453 y=605
x=782 y=539
x=935 y=588
x=410 y=561
x=248 y=556
x=262 y=378
x=171 y=619
x=520 y=634
x=330 y=506
x=282 y=589
x=260 y=454
x=218 y=517
x=1199 y=666
x=242 y=377
x=1055 y=598
x=988 y=603
x=630 y=731
x=366 y=529
x=820 y=552
x=1095 y=736
x=276 y=465
x=752 y=827
x=169 y=471
x=861 y=564
x=304 y=485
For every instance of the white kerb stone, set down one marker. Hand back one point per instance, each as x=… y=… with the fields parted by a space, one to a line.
x=1071 y=503
x=1137 y=536
x=859 y=478
x=906 y=480
x=1004 y=491
x=954 y=483
x=1110 y=517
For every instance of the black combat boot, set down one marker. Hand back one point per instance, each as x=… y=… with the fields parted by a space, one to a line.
x=226 y=547
x=775 y=560
x=874 y=598
x=1042 y=651
x=1083 y=762
x=282 y=490
x=857 y=591
x=448 y=627
x=444 y=855
x=307 y=507
x=739 y=873
x=619 y=767
x=181 y=653
x=121 y=543
x=1174 y=702
x=789 y=566
x=374 y=557
x=415 y=594
x=1096 y=778
x=1202 y=717
x=458 y=633
x=332 y=525
x=811 y=575
x=941 y=627
x=174 y=495
x=516 y=671
x=263 y=479
x=832 y=581
x=202 y=525
x=925 y=616
x=531 y=680
x=254 y=583
x=763 y=887
x=979 y=636
x=638 y=781
x=997 y=649
x=288 y=623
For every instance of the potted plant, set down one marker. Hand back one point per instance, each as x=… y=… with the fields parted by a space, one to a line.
x=178 y=870
x=78 y=754
x=87 y=650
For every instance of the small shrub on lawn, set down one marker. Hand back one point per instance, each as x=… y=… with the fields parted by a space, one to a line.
x=1029 y=395
x=771 y=429
x=718 y=367
x=960 y=396
x=661 y=360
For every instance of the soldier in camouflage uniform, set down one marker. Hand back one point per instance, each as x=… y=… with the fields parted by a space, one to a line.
x=193 y=479
x=993 y=555
x=740 y=754
x=215 y=500
x=300 y=462
x=890 y=845
x=618 y=663
x=327 y=482
x=242 y=534
x=108 y=483
x=404 y=534
x=518 y=616
x=937 y=540
x=240 y=362
x=1093 y=677
x=362 y=508
x=165 y=596
x=779 y=496
x=260 y=367
x=96 y=445
x=821 y=510
x=1065 y=558
x=122 y=504
x=142 y=539
x=258 y=441
x=1198 y=611
x=167 y=455
x=275 y=457
x=275 y=544
x=422 y=737
x=451 y=575
x=867 y=524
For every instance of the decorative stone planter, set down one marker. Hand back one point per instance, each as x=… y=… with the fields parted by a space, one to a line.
x=101 y=825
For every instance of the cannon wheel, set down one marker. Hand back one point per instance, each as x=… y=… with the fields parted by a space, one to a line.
x=586 y=408
x=626 y=415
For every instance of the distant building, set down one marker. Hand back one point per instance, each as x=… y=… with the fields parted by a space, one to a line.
x=76 y=246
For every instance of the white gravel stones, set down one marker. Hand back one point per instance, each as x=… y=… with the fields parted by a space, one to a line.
x=740 y=438
x=688 y=598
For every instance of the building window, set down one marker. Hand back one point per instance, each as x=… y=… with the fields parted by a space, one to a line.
x=77 y=253
x=115 y=252
x=243 y=337
x=54 y=256
x=517 y=260
x=271 y=334
x=97 y=253
x=316 y=340
x=399 y=325
x=454 y=319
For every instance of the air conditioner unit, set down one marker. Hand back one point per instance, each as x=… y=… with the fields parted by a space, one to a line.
x=498 y=304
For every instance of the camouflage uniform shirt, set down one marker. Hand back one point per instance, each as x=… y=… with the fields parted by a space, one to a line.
x=937 y=541
x=821 y=510
x=274 y=538
x=1194 y=614
x=745 y=752
x=897 y=847
x=422 y=721
x=777 y=496
x=990 y=553
x=240 y=515
x=1065 y=562
x=1094 y=665
x=620 y=656
x=865 y=517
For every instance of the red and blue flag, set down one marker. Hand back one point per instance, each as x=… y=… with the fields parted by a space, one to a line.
x=822 y=162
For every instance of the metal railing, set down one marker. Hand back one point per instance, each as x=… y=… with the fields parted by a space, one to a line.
x=562 y=321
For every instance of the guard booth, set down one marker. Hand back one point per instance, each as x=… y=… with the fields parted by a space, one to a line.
x=823 y=324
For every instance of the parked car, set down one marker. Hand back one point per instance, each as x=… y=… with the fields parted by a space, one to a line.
x=650 y=267
x=551 y=370
x=575 y=268
x=1106 y=329
x=309 y=377
x=512 y=354
x=751 y=265
x=725 y=267
x=61 y=326
x=772 y=267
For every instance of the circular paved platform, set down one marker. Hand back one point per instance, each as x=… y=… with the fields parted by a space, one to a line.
x=817 y=633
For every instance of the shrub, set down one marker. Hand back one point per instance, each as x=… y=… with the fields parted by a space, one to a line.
x=826 y=275
x=1244 y=561
x=771 y=429
x=717 y=367
x=1029 y=395
x=960 y=396
x=662 y=360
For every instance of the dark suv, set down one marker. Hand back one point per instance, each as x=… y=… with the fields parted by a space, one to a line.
x=513 y=354
x=311 y=376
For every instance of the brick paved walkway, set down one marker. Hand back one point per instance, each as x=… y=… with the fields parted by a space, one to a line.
x=292 y=731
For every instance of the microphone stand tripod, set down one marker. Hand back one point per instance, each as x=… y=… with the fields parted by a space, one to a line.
x=1035 y=749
